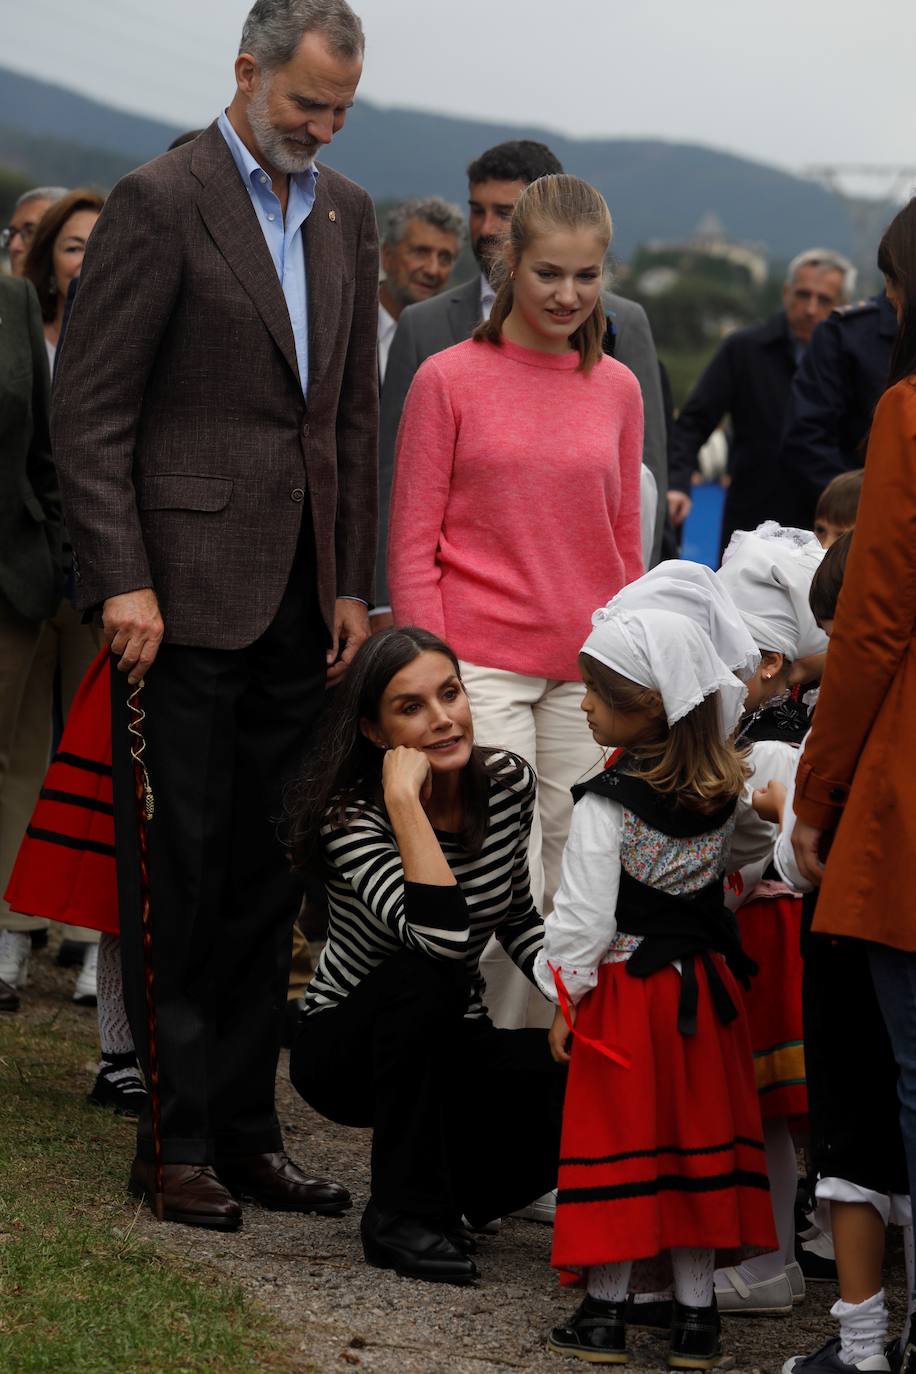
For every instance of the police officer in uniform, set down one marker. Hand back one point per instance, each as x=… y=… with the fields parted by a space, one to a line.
x=834 y=392
x=749 y=379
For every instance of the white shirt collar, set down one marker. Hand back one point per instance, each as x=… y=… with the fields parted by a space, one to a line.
x=487 y=296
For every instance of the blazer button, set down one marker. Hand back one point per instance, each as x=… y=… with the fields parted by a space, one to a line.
x=838 y=794
x=297 y=494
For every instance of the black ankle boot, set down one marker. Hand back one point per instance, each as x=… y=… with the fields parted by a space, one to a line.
x=694 y=1337
x=596 y=1332
x=413 y=1247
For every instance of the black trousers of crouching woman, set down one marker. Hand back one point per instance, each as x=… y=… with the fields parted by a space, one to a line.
x=466 y=1117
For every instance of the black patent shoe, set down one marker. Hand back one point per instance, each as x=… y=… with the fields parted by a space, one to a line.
x=126 y=1094
x=596 y=1332
x=413 y=1248
x=694 y=1337
x=651 y=1316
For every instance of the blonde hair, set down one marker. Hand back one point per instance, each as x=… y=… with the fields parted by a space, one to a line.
x=552 y=202
x=689 y=758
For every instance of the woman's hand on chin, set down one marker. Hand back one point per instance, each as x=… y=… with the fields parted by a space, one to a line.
x=406 y=775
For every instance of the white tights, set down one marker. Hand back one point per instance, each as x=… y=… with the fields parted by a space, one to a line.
x=693 y=1278
x=114 y=1031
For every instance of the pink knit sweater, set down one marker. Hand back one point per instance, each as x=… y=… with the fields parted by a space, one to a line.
x=515 y=510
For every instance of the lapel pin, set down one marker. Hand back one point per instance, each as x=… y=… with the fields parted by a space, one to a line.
x=332 y=215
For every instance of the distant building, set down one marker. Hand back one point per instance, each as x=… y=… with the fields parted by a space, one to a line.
x=709 y=240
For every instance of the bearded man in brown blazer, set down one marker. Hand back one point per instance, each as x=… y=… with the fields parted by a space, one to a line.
x=214 y=427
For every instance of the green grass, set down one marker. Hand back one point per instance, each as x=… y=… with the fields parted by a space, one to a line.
x=80 y=1292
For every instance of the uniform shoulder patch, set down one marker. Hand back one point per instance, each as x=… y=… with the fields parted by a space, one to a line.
x=845 y=312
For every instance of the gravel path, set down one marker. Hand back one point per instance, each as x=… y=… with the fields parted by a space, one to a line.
x=310 y=1271
x=343 y=1314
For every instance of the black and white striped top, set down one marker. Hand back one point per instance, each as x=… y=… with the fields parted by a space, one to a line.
x=373 y=913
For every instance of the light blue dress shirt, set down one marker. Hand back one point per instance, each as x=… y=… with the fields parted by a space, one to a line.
x=282 y=236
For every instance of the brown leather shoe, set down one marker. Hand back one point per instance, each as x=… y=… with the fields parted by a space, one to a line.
x=277 y=1183
x=9 y=997
x=193 y=1194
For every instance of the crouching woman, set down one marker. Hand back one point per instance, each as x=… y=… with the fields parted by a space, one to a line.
x=422 y=840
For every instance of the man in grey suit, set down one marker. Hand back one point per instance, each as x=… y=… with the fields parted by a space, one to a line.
x=214 y=427
x=495 y=181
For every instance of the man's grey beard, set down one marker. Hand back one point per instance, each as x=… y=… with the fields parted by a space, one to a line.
x=273 y=146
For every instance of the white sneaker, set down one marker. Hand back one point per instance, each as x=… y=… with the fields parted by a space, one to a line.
x=86 y=992
x=768 y=1298
x=796 y=1281
x=543 y=1209
x=15 y=948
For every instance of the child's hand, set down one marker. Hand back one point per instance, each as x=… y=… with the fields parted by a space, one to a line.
x=769 y=802
x=558 y=1036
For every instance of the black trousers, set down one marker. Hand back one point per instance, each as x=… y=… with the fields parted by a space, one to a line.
x=466 y=1118
x=854 y=1110
x=225 y=730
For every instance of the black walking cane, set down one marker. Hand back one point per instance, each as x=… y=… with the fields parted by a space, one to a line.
x=144 y=804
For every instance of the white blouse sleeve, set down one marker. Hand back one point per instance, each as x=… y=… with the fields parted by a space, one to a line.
x=784 y=856
x=580 y=929
x=753 y=839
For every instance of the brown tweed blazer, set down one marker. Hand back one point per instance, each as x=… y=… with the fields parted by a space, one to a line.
x=185 y=449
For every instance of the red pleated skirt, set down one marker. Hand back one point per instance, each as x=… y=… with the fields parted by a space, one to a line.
x=771 y=934
x=65 y=868
x=667 y=1153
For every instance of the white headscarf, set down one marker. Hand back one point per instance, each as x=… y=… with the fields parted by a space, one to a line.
x=768 y=575
x=671 y=655
x=693 y=590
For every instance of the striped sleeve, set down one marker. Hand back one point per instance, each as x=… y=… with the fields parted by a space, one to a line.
x=521 y=934
x=431 y=919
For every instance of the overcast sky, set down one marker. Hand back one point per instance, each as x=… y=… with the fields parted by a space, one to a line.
x=792 y=82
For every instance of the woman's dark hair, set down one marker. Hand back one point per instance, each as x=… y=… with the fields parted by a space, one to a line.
x=827 y=582
x=39 y=262
x=343 y=775
x=897 y=260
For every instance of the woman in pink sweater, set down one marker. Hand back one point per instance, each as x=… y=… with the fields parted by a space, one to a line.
x=516 y=500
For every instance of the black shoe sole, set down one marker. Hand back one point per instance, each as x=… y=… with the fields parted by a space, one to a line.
x=589 y=1356
x=320 y=1209
x=695 y=1361
x=129 y=1113
x=203 y=1219
x=378 y=1261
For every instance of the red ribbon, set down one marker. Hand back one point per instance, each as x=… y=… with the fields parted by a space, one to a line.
x=735 y=883
x=616 y=1055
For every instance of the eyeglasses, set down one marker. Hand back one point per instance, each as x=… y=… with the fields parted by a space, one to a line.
x=25 y=231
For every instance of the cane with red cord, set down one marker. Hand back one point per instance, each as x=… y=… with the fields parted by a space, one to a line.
x=143 y=799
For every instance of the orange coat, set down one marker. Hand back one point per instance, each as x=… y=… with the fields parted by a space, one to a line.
x=857 y=776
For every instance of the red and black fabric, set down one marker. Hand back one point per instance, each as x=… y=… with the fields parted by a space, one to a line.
x=662 y=1142
x=65 y=869
x=667 y=1153
x=771 y=935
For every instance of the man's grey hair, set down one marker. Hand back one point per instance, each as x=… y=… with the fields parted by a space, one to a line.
x=825 y=260
x=52 y=193
x=275 y=28
x=441 y=214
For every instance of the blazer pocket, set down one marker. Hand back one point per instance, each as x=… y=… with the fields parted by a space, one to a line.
x=183 y=491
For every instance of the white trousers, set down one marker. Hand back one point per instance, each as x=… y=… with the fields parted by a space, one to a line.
x=540 y=719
